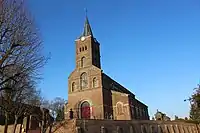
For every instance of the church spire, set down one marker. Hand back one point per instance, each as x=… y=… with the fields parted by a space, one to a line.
x=87 y=28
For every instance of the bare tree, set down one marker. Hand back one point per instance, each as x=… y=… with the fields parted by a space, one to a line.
x=20 y=58
x=56 y=107
x=51 y=110
x=20 y=45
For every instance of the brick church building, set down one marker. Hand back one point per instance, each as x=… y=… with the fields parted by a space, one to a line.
x=94 y=95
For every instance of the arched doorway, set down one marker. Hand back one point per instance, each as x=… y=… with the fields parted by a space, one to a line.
x=85 y=110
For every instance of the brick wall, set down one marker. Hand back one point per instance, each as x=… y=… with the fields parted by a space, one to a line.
x=122 y=126
x=10 y=129
x=111 y=126
x=119 y=126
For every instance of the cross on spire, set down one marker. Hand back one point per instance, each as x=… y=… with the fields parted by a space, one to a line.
x=86 y=12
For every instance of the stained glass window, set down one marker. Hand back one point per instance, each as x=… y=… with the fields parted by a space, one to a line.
x=84 y=81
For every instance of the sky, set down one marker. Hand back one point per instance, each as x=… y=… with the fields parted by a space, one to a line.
x=149 y=46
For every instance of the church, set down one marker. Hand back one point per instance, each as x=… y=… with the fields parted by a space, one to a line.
x=94 y=95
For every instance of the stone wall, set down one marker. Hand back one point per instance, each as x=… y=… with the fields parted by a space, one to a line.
x=121 y=126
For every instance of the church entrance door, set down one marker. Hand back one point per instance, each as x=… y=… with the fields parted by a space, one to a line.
x=85 y=110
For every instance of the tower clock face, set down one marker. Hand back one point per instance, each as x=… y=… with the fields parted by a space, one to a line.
x=82 y=38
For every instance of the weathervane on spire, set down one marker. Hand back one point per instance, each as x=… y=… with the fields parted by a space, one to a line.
x=86 y=12
x=198 y=84
x=87 y=31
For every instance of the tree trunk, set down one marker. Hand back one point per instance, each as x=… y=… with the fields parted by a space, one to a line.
x=20 y=130
x=15 y=124
x=43 y=121
x=50 y=128
x=5 y=128
x=41 y=126
x=6 y=123
x=14 y=128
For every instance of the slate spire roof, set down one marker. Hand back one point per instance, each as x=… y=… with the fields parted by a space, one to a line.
x=87 y=31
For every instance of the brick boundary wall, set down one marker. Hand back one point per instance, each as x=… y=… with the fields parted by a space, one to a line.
x=126 y=126
x=121 y=126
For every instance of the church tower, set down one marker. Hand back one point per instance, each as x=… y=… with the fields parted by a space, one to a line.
x=85 y=95
x=87 y=49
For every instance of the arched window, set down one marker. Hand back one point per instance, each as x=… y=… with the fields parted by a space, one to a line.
x=84 y=81
x=83 y=61
x=73 y=86
x=132 y=112
x=103 y=130
x=140 y=109
x=94 y=82
x=106 y=115
x=82 y=48
x=119 y=108
x=144 y=129
x=153 y=129
x=168 y=130
x=85 y=47
x=132 y=129
x=119 y=130
x=160 y=129
x=137 y=112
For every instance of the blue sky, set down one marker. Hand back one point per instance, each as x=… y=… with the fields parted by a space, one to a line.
x=149 y=46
